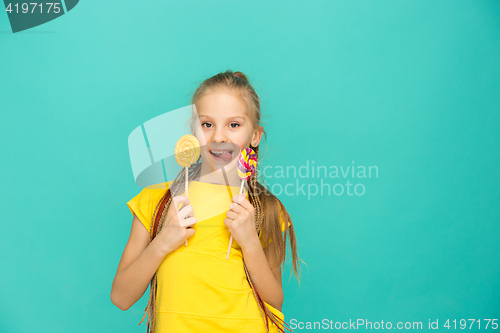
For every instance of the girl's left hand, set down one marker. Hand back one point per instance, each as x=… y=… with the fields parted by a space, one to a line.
x=241 y=222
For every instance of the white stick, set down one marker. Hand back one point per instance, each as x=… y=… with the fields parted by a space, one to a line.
x=231 y=239
x=187 y=182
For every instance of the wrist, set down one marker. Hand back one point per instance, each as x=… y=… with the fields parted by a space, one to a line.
x=252 y=244
x=160 y=249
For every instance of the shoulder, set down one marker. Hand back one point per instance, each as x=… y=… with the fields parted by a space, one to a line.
x=144 y=203
x=150 y=194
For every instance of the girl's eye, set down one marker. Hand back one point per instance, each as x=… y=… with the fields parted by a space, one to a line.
x=234 y=125
x=207 y=125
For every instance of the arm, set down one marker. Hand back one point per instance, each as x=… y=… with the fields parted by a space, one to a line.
x=141 y=259
x=241 y=223
x=267 y=281
x=139 y=262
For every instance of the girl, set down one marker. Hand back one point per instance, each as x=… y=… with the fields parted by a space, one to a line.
x=194 y=288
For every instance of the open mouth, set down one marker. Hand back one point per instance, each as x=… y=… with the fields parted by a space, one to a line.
x=222 y=155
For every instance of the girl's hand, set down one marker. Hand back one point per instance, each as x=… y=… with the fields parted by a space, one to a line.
x=174 y=231
x=241 y=222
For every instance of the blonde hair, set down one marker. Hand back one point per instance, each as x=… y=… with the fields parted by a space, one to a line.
x=269 y=210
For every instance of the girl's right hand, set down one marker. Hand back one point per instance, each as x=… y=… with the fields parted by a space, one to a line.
x=176 y=228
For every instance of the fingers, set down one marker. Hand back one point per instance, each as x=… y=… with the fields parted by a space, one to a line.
x=189 y=222
x=176 y=202
x=234 y=207
x=190 y=232
x=185 y=212
x=185 y=215
x=228 y=223
x=180 y=199
x=240 y=208
x=232 y=215
x=243 y=202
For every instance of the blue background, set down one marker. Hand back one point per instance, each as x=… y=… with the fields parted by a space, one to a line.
x=412 y=87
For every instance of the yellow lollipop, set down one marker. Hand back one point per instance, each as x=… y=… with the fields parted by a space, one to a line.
x=187 y=150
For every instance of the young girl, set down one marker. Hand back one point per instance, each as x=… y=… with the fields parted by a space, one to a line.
x=195 y=288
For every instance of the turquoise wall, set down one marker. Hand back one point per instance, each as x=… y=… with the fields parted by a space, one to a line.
x=409 y=87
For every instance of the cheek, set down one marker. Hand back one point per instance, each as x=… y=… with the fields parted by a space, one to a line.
x=204 y=150
x=240 y=146
x=206 y=133
x=243 y=141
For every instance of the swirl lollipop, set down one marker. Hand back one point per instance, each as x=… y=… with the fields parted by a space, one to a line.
x=247 y=163
x=187 y=151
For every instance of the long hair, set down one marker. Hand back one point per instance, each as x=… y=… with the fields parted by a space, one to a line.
x=268 y=208
x=270 y=212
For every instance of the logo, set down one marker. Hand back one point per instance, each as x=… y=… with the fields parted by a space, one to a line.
x=28 y=14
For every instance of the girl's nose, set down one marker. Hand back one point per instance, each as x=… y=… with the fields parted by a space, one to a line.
x=219 y=135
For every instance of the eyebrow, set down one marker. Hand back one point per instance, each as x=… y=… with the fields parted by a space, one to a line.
x=202 y=115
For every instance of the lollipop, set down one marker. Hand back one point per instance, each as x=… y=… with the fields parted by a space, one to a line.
x=247 y=162
x=187 y=151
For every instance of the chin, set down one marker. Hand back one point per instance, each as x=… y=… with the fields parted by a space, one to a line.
x=229 y=168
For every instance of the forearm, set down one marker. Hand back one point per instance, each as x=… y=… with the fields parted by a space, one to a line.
x=130 y=283
x=269 y=288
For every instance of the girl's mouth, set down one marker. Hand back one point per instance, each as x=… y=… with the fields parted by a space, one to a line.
x=222 y=155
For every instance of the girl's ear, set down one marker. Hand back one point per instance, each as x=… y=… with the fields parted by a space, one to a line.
x=257 y=136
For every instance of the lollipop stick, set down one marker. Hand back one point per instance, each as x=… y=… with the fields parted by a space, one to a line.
x=186 y=244
x=241 y=187
x=187 y=181
x=231 y=239
x=187 y=151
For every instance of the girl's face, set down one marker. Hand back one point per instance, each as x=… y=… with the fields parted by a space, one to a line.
x=226 y=126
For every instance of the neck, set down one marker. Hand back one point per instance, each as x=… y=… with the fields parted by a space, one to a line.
x=226 y=175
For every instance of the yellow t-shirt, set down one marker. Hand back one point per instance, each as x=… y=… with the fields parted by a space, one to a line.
x=198 y=290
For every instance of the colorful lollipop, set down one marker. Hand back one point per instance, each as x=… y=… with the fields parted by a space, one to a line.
x=247 y=163
x=187 y=151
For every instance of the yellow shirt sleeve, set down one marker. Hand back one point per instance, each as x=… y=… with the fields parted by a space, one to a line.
x=144 y=204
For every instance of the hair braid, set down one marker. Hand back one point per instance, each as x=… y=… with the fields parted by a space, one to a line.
x=259 y=220
x=174 y=190
x=254 y=196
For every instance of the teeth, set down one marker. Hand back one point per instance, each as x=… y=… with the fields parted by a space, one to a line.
x=220 y=151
